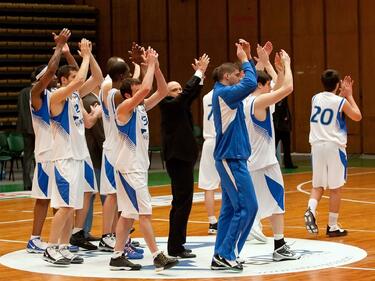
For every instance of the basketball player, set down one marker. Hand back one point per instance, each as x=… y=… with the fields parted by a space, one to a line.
x=232 y=149
x=39 y=100
x=72 y=167
x=263 y=165
x=133 y=197
x=328 y=137
x=209 y=179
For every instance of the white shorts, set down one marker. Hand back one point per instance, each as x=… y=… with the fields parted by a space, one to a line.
x=269 y=189
x=89 y=183
x=42 y=180
x=329 y=165
x=208 y=176
x=107 y=176
x=133 y=196
x=67 y=185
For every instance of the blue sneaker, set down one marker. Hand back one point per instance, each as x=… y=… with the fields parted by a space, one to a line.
x=135 y=249
x=131 y=254
x=36 y=246
x=73 y=249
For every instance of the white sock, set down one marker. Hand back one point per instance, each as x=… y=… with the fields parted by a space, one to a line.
x=117 y=254
x=154 y=255
x=313 y=203
x=76 y=229
x=212 y=219
x=332 y=219
x=34 y=236
x=278 y=236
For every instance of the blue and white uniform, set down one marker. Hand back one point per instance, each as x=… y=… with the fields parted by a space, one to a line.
x=232 y=149
x=110 y=145
x=133 y=197
x=263 y=165
x=208 y=177
x=73 y=171
x=41 y=188
x=328 y=137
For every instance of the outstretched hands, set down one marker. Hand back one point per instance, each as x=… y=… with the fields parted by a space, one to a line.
x=243 y=50
x=347 y=86
x=202 y=63
x=62 y=38
x=85 y=47
x=137 y=54
x=151 y=56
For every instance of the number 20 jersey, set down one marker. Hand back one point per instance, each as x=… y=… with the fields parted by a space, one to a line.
x=327 y=121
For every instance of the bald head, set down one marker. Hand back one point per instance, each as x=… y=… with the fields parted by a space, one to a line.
x=174 y=89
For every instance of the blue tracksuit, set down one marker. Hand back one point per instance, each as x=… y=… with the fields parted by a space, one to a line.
x=239 y=204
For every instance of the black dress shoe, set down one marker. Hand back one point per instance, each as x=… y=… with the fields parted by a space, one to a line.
x=188 y=250
x=184 y=255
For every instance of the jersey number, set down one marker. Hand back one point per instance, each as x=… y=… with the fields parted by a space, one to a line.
x=324 y=116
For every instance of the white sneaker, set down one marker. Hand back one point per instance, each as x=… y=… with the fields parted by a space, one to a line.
x=256 y=233
x=107 y=243
x=75 y=259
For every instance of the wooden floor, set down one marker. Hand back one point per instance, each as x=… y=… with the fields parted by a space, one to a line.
x=357 y=215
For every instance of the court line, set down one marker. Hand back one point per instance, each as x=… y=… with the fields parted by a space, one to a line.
x=356 y=268
x=13 y=241
x=299 y=188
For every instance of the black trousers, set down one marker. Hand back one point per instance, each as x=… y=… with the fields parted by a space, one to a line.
x=182 y=182
x=28 y=152
x=284 y=137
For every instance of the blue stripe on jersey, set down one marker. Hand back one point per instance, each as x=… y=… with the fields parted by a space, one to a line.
x=43 y=112
x=63 y=118
x=129 y=129
x=104 y=108
x=109 y=172
x=276 y=190
x=341 y=120
x=264 y=127
x=129 y=191
x=89 y=175
x=42 y=179
x=62 y=186
x=344 y=161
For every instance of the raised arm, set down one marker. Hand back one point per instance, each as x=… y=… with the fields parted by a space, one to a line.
x=350 y=107
x=265 y=100
x=62 y=93
x=95 y=79
x=89 y=119
x=137 y=56
x=162 y=89
x=68 y=56
x=263 y=61
x=125 y=109
x=52 y=66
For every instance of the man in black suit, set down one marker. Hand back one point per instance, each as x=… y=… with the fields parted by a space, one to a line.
x=283 y=126
x=25 y=127
x=181 y=152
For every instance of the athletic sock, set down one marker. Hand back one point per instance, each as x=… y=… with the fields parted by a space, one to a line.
x=76 y=229
x=34 y=237
x=117 y=254
x=212 y=219
x=313 y=203
x=155 y=254
x=332 y=219
x=279 y=242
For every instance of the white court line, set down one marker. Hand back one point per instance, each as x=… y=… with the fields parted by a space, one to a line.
x=13 y=241
x=299 y=188
x=356 y=268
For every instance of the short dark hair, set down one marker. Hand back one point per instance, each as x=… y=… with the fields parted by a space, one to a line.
x=64 y=71
x=330 y=78
x=116 y=68
x=263 y=77
x=227 y=67
x=126 y=85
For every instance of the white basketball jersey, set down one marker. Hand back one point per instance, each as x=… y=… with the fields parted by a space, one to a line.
x=69 y=131
x=134 y=140
x=262 y=137
x=327 y=121
x=42 y=129
x=208 y=117
x=112 y=144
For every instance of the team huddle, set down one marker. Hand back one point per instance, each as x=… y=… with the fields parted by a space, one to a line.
x=238 y=153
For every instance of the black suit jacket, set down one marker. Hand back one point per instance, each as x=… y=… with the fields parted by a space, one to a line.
x=178 y=140
x=24 y=123
x=282 y=118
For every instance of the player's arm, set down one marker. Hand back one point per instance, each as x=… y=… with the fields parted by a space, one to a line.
x=52 y=66
x=95 y=79
x=161 y=92
x=263 y=60
x=350 y=107
x=264 y=101
x=62 y=93
x=127 y=106
x=68 y=56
